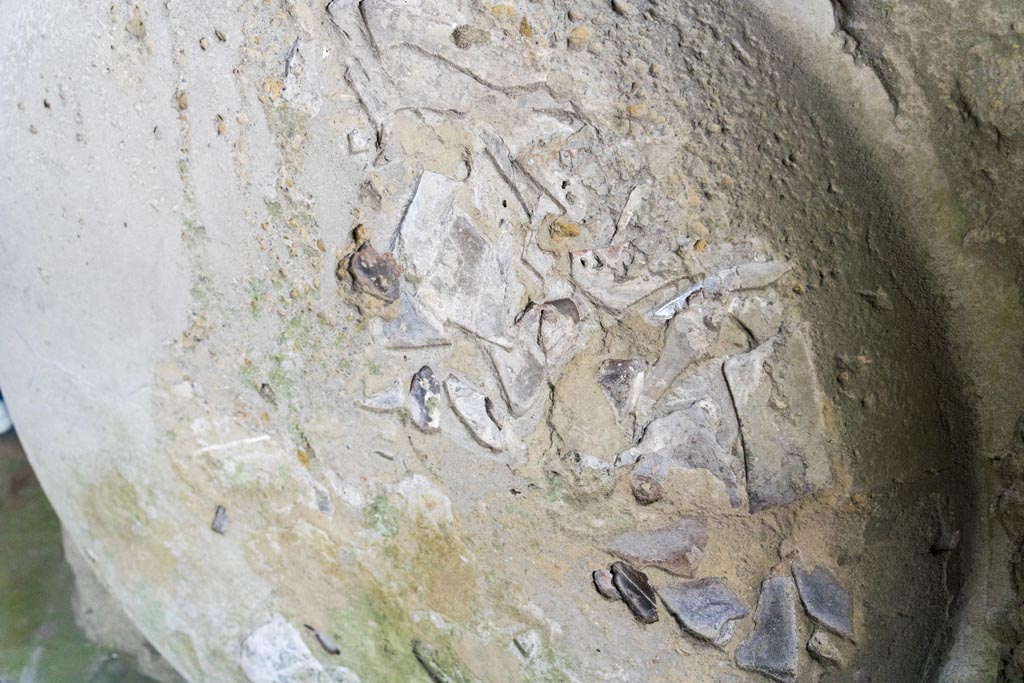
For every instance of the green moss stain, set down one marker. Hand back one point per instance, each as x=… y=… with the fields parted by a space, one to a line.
x=382 y=517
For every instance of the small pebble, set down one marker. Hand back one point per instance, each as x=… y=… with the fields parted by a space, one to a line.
x=220 y=35
x=326 y=642
x=622 y=8
x=220 y=520
x=578 y=37
x=824 y=648
x=204 y=43
x=604 y=584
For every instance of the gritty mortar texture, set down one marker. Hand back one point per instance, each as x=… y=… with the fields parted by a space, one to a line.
x=357 y=273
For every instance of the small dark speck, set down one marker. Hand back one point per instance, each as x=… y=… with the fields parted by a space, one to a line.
x=504 y=203
x=515 y=492
x=220 y=520
x=46 y=104
x=329 y=646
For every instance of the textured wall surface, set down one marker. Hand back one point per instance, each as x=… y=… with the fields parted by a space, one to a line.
x=349 y=339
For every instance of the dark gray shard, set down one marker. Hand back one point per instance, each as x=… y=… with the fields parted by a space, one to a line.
x=605 y=585
x=636 y=592
x=425 y=407
x=325 y=641
x=705 y=608
x=376 y=274
x=772 y=648
x=220 y=520
x=780 y=408
x=647 y=479
x=677 y=548
x=621 y=381
x=826 y=599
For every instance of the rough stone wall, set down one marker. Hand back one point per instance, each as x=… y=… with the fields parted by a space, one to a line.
x=394 y=321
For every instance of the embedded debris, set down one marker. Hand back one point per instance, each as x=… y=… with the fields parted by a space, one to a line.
x=744 y=276
x=636 y=591
x=412 y=328
x=616 y=276
x=705 y=607
x=425 y=400
x=391 y=400
x=702 y=435
x=301 y=87
x=621 y=381
x=772 y=648
x=471 y=407
x=647 y=478
x=325 y=641
x=527 y=643
x=460 y=277
x=760 y=317
x=220 y=520
x=605 y=585
x=780 y=409
x=275 y=653
x=466 y=36
x=825 y=598
x=543 y=340
x=824 y=648
x=375 y=274
x=677 y=548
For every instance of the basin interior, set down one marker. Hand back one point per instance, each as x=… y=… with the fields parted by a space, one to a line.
x=508 y=196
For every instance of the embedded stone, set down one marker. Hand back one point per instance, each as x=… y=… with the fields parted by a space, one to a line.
x=559 y=330
x=621 y=381
x=521 y=373
x=466 y=36
x=425 y=404
x=753 y=275
x=543 y=340
x=376 y=274
x=471 y=407
x=616 y=276
x=699 y=436
x=677 y=548
x=825 y=598
x=647 y=479
x=772 y=649
x=527 y=643
x=412 y=328
x=220 y=520
x=779 y=405
x=275 y=653
x=605 y=585
x=325 y=641
x=824 y=648
x=636 y=591
x=761 y=317
x=391 y=400
x=705 y=608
